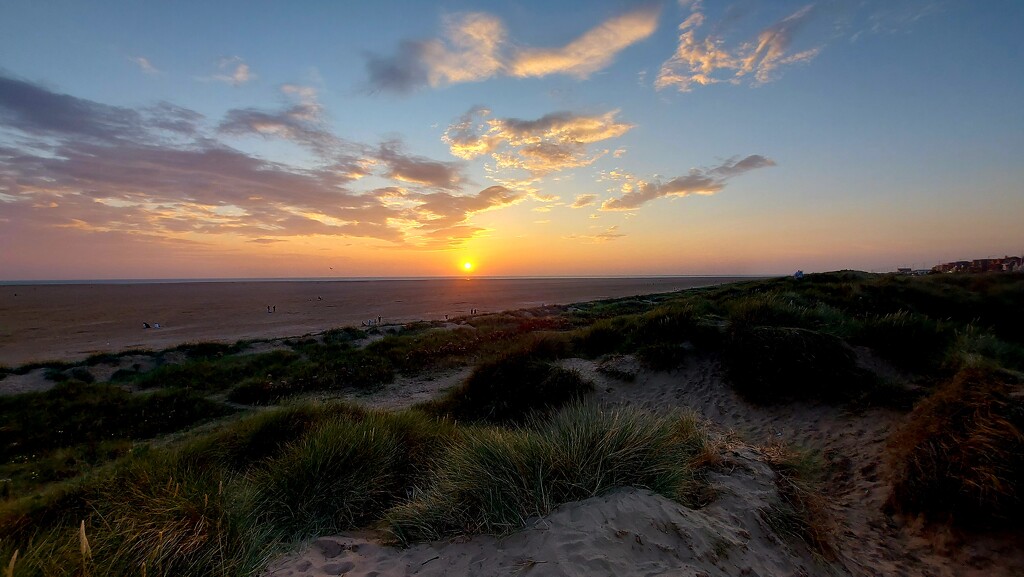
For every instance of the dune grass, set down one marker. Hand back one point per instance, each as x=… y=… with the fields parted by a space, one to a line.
x=493 y=480
x=802 y=511
x=223 y=502
x=510 y=389
x=776 y=364
x=960 y=456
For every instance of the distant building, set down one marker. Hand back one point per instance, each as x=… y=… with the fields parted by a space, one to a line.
x=980 y=265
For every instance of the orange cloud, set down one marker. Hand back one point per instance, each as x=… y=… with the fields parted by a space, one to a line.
x=703 y=61
x=591 y=52
x=475 y=46
x=553 y=142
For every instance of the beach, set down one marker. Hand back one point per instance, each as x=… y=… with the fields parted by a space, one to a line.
x=43 y=322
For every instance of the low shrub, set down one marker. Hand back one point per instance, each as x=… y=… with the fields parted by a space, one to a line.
x=76 y=413
x=908 y=340
x=773 y=364
x=510 y=389
x=960 y=456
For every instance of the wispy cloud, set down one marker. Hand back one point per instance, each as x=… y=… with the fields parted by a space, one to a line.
x=553 y=142
x=704 y=60
x=609 y=234
x=300 y=122
x=234 y=71
x=145 y=65
x=475 y=46
x=703 y=181
x=592 y=51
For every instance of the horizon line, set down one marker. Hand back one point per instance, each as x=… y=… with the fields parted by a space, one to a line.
x=169 y=280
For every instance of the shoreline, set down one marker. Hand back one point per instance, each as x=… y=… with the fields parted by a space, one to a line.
x=69 y=322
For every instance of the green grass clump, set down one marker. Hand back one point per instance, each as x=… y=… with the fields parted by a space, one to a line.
x=341 y=475
x=772 y=364
x=909 y=340
x=510 y=389
x=960 y=457
x=493 y=480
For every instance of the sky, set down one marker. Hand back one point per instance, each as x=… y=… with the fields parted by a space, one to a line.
x=265 y=139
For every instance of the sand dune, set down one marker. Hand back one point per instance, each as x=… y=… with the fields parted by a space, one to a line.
x=631 y=532
x=627 y=533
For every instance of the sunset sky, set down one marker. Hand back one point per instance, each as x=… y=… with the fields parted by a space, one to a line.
x=382 y=139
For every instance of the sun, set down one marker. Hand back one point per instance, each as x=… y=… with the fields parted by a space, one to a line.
x=467 y=266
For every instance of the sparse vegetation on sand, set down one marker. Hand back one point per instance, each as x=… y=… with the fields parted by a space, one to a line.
x=163 y=460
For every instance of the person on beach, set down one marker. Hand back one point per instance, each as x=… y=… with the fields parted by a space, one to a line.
x=268 y=309
x=145 y=325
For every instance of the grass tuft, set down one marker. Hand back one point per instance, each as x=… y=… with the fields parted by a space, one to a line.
x=960 y=457
x=510 y=389
x=493 y=480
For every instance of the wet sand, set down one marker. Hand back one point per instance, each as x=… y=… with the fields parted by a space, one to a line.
x=71 y=321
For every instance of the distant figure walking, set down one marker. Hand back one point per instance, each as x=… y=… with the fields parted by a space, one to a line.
x=268 y=309
x=275 y=308
x=379 y=319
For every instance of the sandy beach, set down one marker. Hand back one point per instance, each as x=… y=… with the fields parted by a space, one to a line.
x=71 y=321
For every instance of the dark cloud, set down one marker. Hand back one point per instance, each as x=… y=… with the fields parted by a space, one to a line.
x=38 y=111
x=402 y=72
x=698 y=181
x=417 y=169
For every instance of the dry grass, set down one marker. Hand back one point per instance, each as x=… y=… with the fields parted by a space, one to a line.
x=960 y=457
x=802 y=513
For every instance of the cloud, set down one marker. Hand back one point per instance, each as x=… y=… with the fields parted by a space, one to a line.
x=583 y=200
x=475 y=46
x=237 y=71
x=299 y=122
x=418 y=170
x=553 y=142
x=161 y=173
x=592 y=51
x=609 y=234
x=707 y=60
x=470 y=51
x=145 y=65
x=445 y=209
x=41 y=112
x=704 y=181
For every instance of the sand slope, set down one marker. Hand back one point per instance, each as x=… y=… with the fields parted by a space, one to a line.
x=632 y=532
x=629 y=532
